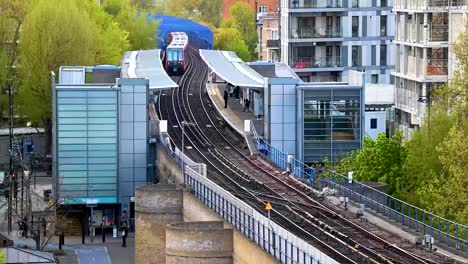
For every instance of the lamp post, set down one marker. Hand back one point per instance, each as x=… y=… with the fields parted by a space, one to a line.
x=183 y=124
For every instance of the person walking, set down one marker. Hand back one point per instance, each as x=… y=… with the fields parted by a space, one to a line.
x=124 y=234
x=247 y=104
x=226 y=97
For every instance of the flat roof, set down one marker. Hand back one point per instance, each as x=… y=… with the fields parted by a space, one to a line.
x=232 y=69
x=147 y=64
x=21 y=131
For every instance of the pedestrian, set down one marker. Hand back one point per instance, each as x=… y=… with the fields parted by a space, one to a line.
x=243 y=105
x=124 y=234
x=226 y=97
x=247 y=104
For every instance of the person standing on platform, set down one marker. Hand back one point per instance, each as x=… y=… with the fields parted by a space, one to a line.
x=247 y=104
x=226 y=97
x=124 y=234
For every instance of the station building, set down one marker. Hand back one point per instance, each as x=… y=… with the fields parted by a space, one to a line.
x=310 y=121
x=101 y=133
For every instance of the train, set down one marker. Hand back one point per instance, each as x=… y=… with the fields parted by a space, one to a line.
x=175 y=55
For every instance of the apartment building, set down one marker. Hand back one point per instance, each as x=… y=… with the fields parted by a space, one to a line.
x=324 y=39
x=425 y=33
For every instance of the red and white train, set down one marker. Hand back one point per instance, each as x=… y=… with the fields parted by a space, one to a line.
x=176 y=61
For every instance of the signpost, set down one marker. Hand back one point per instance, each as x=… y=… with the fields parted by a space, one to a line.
x=268 y=207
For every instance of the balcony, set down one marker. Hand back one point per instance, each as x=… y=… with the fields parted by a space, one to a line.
x=316 y=4
x=424 y=34
x=316 y=32
x=429 y=4
x=315 y=62
x=273 y=43
x=437 y=67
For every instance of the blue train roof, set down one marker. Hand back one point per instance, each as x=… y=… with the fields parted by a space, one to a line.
x=199 y=35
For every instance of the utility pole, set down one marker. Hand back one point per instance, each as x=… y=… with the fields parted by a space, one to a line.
x=11 y=167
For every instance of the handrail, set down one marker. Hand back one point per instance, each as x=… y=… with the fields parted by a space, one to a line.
x=447 y=231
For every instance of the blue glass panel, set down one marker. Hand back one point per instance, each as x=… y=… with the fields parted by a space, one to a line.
x=84 y=200
x=140 y=88
x=102 y=154
x=109 y=180
x=112 y=147
x=71 y=128
x=102 y=134
x=102 y=120
x=102 y=160
x=111 y=107
x=73 y=181
x=71 y=101
x=72 y=140
x=102 y=114
x=100 y=94
x=73 y=187
x=72 y=107
x=107 y=173
x=70 y=134
x=71 y=94
x=71 y=174
x=102 y=127
x=103 y=187
x=102 y=100
x=102 y=140
x=72 y=160
x=101 y=167
x=72 y=167
x=71 y=114
x=72 y=121
x=71 y=147
x=105 y=193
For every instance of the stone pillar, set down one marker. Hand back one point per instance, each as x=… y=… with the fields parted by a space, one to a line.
x=199 y=242
x=155 y=207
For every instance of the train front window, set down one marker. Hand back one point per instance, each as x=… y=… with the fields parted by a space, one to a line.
x=172 y=55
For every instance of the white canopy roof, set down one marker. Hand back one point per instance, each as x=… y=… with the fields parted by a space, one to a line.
x=231 y=68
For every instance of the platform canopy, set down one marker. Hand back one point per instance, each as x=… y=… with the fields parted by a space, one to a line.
x=147 y=64
x=232 y=69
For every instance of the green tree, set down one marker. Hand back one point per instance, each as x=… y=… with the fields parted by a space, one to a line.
x=244 y=20
x=141 y=28
x=380 y=160
x=211 y=12
x=231 y=39
x=3 y=257
x=54 y=33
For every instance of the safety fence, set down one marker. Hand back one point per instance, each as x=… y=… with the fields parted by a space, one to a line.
x=441 y=229
x=278 y=242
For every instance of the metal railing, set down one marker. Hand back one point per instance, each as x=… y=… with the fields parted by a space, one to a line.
x=316 y=32
x=316 y=4
x=315 y=62
x=443 y=230
x=430 y=4
x=274 y=239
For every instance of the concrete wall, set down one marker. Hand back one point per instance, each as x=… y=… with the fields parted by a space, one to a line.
x=199 y=242
x=167 y=169
x=245 y=251
x=155 y=207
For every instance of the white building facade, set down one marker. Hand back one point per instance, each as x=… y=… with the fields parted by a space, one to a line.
x=324 y=39
x=425 y=33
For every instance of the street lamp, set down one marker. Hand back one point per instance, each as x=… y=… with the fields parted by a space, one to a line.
x=183 y=124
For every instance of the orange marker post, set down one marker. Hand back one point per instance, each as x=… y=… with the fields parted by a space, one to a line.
x=268 y=207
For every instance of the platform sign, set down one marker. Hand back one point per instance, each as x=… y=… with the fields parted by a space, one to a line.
x=268 y=207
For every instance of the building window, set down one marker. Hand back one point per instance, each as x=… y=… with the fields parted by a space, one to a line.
x=383 y=55
x=383 y=3
x=373 y=123
x=355 y=3
x=383 y=26
x=263 y=9
x=375 y=78
x=274 y=34
x=356 y=56
x=355 y=26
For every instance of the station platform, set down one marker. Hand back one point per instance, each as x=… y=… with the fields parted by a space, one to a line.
x=233 y=113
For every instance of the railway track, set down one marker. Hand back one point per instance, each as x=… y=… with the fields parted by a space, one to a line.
x=212 y=141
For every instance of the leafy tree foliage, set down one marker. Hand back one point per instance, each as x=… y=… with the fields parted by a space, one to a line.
x=204 y=11
x=231 y=39
x=3 y=257
x=380 y=160
x=245 y=22
x=142 y=29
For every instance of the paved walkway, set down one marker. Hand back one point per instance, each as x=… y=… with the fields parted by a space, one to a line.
x=233 y=113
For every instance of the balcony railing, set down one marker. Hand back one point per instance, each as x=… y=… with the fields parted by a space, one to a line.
x=429 y=4
x=437 y=67
x=273 y=43
x=316 y=32
x=316 y=3
x=316 y=62
x=416 y=34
